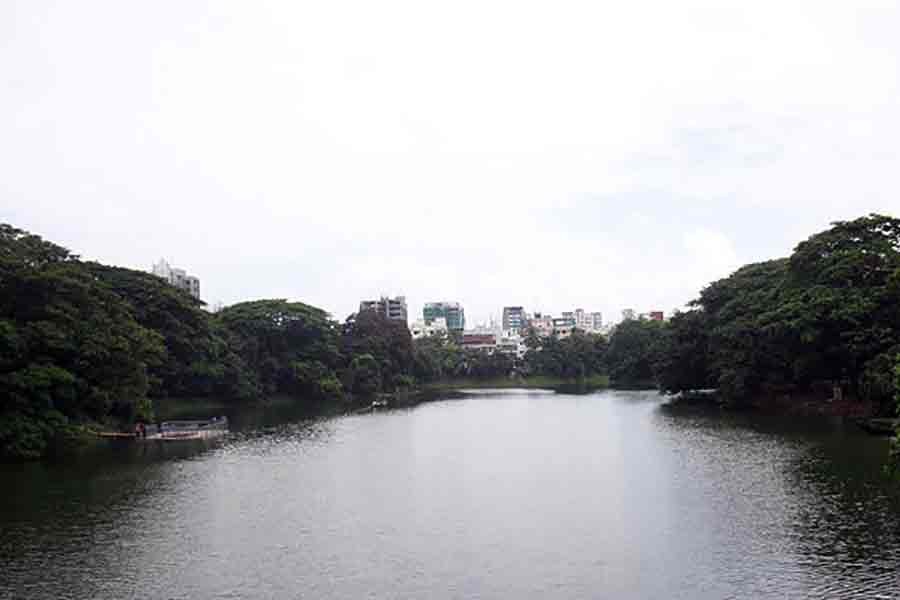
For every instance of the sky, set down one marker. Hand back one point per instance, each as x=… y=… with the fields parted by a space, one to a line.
x=556 y=155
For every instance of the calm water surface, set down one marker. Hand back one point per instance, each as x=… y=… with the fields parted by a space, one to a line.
x=509 y=494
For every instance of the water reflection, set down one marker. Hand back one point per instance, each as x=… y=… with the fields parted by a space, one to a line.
x=497 y=495
x=823 y=503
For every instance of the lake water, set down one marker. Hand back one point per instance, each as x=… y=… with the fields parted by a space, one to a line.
x=512 y=494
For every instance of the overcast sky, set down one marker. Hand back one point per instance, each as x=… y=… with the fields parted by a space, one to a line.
x=558 y=154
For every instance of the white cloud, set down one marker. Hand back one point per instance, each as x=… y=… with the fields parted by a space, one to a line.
x=599 y=154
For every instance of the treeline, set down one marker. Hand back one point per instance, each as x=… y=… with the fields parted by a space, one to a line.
x=826 y=317
x=443 y=358
x=85 y=343
x=82 y=342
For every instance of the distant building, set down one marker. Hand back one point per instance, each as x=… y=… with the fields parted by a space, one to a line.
x=479 y=341
x=392 y=308
x=564 y=325
x=513 y=318
x=568 y=317
x=512 y=344
x=421 y=329
x=581 y=319
x=177 y=277
x=657 y=315
x=541 y=324
x=591 y=322
x=452 y=312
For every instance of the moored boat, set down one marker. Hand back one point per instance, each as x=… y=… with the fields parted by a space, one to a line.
x=190 y=430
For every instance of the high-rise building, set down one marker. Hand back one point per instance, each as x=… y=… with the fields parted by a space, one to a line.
x=392 y=308
x=581 y=319
x=177 y=277
x=513 y=318
x=452 y=312
x=591 y=322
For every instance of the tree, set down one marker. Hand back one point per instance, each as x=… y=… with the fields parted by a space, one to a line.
x=576 y=356
x=283 y=345
x=387 y=341
x=632 y=352
x=844 y=283
x=683 y=361
x=825 y=315
x=364 y=375
x=199 y=361
x=749 y=344
x=72 y=349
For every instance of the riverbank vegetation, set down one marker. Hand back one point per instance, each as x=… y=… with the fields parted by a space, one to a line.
x=83 y=343
x=822 y=324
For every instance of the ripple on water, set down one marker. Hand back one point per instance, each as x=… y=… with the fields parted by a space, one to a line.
x=498 y=495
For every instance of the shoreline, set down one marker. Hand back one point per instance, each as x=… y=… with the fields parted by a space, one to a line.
x=783 y=405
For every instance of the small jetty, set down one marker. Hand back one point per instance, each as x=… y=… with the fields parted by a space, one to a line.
x=191 y=430
x=168 y=431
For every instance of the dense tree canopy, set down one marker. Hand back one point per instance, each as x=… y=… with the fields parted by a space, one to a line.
x=576 y=356
x=71 y=349
x=682 y=354
x=385 y=341
x=825 y=315
x=289 y=347
x=199 y=360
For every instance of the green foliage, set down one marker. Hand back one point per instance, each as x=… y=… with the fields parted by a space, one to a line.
x=198 y=361
x=825 y=315
x=878 y=382
x=71 y=348
x=745 y=341
x=283 y=347
x=364 y=375
x=314 y=378
x=83 y=342
x=893 y=466
x=577 y=356
x=682 y=354
x=28 y=434
x=442 y=358
x=634 y=351
x=439 y=357
x=371 y=336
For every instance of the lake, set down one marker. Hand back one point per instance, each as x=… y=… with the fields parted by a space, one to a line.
x=499 y=494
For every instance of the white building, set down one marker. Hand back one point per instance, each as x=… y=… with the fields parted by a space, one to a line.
x=392 y=308
x=177 y=277
x=512 y=344
x=514 y=318
x=420 y=328
x=591 y=322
